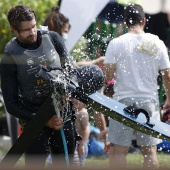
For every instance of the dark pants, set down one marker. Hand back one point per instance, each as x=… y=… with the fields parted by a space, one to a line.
x=50 y=141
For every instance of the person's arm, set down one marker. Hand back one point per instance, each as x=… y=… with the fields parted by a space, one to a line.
x=65 y=58
x=166 y=82
x=9 y=86
x=102 y=134
x=110 y=61
x=59 y=44
x=85 y=131
x=100 y=123
x=109 y=70
x=98 y=61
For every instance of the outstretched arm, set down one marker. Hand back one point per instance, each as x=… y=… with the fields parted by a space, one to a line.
x=99 y=62
x=166 y=81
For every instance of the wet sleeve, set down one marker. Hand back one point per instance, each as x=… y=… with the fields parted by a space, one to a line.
x=9 y=86
x=59 y=44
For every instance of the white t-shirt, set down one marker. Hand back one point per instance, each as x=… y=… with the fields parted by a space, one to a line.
x=138 y=59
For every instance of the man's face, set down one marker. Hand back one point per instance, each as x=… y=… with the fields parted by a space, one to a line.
x=27 y=32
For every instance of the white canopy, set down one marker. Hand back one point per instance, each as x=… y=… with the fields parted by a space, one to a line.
x=82 y=13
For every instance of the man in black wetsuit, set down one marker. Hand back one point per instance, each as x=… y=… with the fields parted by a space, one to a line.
x=24 y=91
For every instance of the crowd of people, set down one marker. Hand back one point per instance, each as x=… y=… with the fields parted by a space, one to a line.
x=131 y=66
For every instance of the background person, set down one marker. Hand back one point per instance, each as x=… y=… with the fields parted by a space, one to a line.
x=83 y=129
x=58 y=22
x=134 y=60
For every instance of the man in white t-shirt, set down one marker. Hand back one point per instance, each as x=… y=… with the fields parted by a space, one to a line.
x=134 y=60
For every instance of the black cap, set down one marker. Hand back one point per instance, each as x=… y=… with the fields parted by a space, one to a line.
x=134 y=14
x=90 y=78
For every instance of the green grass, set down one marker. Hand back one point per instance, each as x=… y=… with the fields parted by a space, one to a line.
x=134 y=161
x=100 y=162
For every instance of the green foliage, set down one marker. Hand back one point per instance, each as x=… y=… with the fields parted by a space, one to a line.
x=79 y=51
x=41 y=7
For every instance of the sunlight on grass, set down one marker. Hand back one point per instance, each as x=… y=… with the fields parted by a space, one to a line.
x=133 y=161
x=100 y=162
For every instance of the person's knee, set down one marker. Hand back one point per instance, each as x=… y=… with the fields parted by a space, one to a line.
x=150 y=157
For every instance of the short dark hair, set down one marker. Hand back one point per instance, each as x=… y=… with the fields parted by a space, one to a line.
x=20 y=13
x=133 y=14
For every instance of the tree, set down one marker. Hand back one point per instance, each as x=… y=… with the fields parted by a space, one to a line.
x=41 y=7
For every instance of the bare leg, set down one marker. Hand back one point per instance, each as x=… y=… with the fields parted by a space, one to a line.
x=150 y=157
x=117 y=156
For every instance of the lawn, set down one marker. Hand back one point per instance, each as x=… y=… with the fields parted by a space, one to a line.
x=134 y=161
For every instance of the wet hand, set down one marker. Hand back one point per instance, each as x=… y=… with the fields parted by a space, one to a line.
x=106 y=148
x=55 y=123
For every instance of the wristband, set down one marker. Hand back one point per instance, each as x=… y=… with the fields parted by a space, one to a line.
x=110 y=82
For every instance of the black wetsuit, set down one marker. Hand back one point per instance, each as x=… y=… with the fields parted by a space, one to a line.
x=24 y=91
